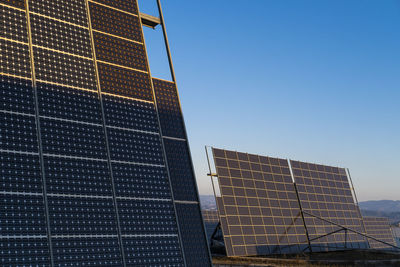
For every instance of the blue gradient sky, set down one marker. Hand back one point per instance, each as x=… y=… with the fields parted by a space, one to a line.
x=316 y=81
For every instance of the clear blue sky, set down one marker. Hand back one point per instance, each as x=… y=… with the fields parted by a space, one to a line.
x=316 y=81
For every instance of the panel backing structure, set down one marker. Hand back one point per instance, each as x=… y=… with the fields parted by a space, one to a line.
x=84 y=178
x=379 y=228
x=258 y=208
x=325 y=192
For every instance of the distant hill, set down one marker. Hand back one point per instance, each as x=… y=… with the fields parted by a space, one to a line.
x=386 y=206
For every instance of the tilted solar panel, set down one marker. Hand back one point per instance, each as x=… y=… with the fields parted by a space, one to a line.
x=258 y=207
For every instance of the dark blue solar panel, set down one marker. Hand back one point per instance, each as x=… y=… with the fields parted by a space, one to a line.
x=192 y=232
x=140 y=181
x=71 y=104
x=73 y=215
x=13 y=23
x=22 y=215
x=86 y=251
x=146 y=216
x=18 y=132
x=16 y=95
x=169 y=109
x=131 y=114
x=73 y=176
x=134 y=146
x=20 y=173
x=73 y=139
x=153 y=251
x=180 y=169
x=24 y=252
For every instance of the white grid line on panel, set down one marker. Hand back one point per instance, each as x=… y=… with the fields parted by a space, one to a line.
x=138 y=163
x=18 y=152
x=84 y=236
x=74 y=121
x=20 y=193
x=72 y=157
x=174 y=138
x=17 y=113
x=144 y=198
x=132 y=130
x=78 y=196
x=23 y=236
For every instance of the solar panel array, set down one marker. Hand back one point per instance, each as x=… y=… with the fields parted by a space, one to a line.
x=325 y=191
x=87 y=174
x=379 y=228
x=258 y=208
x=260 y=212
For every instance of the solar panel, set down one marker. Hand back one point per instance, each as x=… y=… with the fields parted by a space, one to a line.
x=85 y=177
x=379 y=228
x=258 y=207
x=324 y=191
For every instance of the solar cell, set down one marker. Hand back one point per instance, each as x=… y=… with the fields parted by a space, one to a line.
x=258 y=208
x=379 y=228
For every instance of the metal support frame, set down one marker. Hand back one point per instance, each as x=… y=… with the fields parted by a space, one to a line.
x=300 y=206
x=346 y=229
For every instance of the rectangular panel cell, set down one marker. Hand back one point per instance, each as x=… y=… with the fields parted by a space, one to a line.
x=325 y=192
x=22 y=215
x=152 y=251
x=14 y=58
x=135 y=147
x=71 y=104
x=20 y=173
x=120 y=51
x=140 y=181
x=64 y=69
x=77 y=176
x=86 y=252
x=115 y=22
x=24 y=252
x=146 y=217
x=180 y=170
x=125 y=82
x=192 y=232
x=73 y=11
x=73 y=139
x=258 y=207
x=125 y=5
x=379 y=228
x=130 y=114
x=18 y=132
x=15 y=3
x=169 y=109
x=60 y=36
x=13 y=24
x=16 y=95
x=80 y=216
